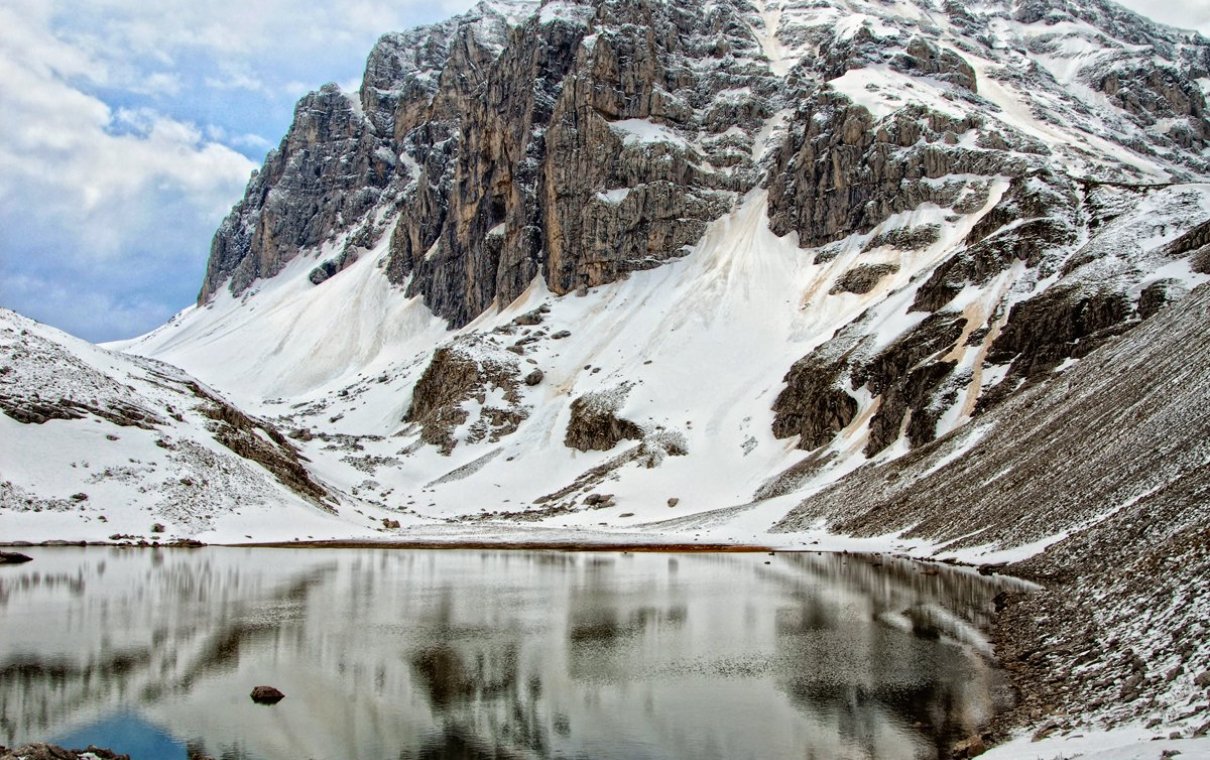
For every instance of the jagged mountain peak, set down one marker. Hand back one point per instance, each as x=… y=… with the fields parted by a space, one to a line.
x=1100 y=89
x=633 y=239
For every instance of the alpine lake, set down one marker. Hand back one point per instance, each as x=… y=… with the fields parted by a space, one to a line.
x=394 y=654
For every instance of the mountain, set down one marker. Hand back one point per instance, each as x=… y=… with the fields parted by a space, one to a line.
x=612 y=254
x=915 y=275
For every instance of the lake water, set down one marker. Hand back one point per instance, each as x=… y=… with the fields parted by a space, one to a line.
x=491 y=654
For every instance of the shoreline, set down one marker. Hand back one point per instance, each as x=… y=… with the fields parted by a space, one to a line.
x=996 y=569
x=558 y=546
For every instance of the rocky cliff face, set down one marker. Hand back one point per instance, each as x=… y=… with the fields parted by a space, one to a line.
x=578 y=143
x=329 y=172
x=1000 y=188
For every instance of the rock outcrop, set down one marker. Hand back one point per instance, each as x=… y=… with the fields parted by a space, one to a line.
x=842 y=172
x=459 y=379
x=595 y=424
x=328 y=172
x=260 y=442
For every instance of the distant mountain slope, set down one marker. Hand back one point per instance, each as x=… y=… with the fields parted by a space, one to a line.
x=699 y=258
x=95 y=443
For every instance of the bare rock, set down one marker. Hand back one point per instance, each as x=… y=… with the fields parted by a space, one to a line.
x=972 y=746
x=594 y=424
x=266 y=695
x=531 y=318
x=260 y=442
x=1060 y=323
x=1192 y=241
x=327 y=269
x=1035 y=217
x=863 y=278
x=459 y=372
x=14 y=558
x=1201 y=261
x=329 y=170
x=911 y=376
x=908 y=374
x=813 y=405
x=840 y=172
x=1159 y=294
x=923 y=57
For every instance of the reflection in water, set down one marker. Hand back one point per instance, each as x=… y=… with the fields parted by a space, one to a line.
x=482 y=654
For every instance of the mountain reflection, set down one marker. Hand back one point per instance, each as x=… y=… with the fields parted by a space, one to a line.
x=451 y=654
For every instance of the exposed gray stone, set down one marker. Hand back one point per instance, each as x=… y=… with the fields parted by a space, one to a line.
x=594 y=424
x=456 y=375
x=267 y=695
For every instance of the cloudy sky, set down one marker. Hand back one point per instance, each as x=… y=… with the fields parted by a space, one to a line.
x=129 y=128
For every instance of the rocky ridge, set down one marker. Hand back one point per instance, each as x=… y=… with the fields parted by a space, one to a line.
x=645 y=122
x=1125 y=521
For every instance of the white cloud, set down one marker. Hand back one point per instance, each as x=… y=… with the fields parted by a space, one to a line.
x=84 y=162
x=88 y=191
x=237 y=30
x=61 y=303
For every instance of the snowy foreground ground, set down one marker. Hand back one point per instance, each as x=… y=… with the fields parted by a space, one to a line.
x=1134 y=743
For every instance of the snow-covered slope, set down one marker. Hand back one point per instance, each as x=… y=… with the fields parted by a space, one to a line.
x=693 y=354
x=957 y=201
x=95 y=444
